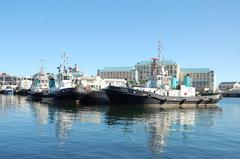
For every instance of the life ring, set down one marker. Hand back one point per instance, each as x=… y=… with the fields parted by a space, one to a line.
x=183 y=101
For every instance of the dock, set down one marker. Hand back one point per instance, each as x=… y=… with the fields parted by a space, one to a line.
x=182 y=106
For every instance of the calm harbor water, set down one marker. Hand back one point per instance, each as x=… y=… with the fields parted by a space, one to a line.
x=35 y=130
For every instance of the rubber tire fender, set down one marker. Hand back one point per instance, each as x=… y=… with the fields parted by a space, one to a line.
x=149 y=95
x=184 y=101
x=200 y=101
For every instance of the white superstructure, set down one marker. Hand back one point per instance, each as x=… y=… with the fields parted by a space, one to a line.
x=25 y=83
x=97 y=83
x=163 y=84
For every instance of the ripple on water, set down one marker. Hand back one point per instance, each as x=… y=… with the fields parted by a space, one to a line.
x=36 y=130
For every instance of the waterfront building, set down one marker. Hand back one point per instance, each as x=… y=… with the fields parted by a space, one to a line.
x=203 y=79
x=126 y=72
x=140 y=72
x=226 y=86
x=6 y=80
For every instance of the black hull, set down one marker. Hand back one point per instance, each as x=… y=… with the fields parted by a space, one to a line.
x=121 y=95
x=22 y=92
x=95 y=98
x=35 y=96
x=62 y=95
x=65 y=94
x=80 y=95
x=231 y=95
x=117 y=97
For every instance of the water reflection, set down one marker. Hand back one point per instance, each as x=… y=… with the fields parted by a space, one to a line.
x=64 y=123
x=161 y=124
x=11 y=100
x=10 y=103
x=61 y=117
x=157 y=124
x=64 y=117
x=41 y=112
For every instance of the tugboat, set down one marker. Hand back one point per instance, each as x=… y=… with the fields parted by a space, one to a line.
x=125 y=95
x=161 y=89
x=37 y=89
x=39 y=85
x=63 y=88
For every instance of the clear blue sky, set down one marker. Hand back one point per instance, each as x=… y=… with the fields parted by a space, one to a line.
x=99 y=33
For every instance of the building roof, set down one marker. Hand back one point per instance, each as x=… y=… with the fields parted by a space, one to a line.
x=4 y=75
x=117 y=69
x=169 y=62
x=145 y=62
x=165 y=62
x=195 y=70
x=227 y=83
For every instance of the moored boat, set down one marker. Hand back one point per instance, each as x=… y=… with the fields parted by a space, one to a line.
x=124 y=95
x=63 y=91
x=39 y=85
x=8 y=90
x=63 y=88
x=161 y=89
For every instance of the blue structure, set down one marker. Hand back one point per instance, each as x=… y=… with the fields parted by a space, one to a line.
x=52 y=83
x=187 y=81
x=174 y=82
x=152 y=83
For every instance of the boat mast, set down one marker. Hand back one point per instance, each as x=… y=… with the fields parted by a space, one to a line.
x=157 y=64
x=160 y=61
x=65 y=62
x=42 y=66
x=154 y=67
x=159 y=52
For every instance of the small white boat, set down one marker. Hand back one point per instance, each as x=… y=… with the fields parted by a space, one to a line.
x=8 y=90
